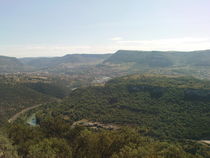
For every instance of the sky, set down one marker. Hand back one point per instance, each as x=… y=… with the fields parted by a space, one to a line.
x=31 y=28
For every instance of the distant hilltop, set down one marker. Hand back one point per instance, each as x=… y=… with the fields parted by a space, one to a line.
x=161 y=58
x=138 y=59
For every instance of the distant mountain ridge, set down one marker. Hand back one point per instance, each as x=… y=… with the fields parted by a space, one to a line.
x=71 y=59
x=132 y=60
x=10 y=64
x=160 y=58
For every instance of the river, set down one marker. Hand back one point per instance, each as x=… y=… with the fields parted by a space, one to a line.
x=32 y=120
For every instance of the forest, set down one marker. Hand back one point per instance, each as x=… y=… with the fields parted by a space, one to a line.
x=156 y=117
x=178 y=110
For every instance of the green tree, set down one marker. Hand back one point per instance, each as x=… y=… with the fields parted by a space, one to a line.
x=50 y=148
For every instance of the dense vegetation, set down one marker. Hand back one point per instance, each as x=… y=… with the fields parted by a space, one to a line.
x=56 y=138
x=171 y=107
x=15 y=97
x=51 y=89
x=157 y=116
x=7 y=150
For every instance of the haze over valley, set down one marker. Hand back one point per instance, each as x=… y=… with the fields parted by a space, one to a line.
x=104 y=79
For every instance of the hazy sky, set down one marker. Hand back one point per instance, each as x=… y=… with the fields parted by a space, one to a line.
x=58 y=27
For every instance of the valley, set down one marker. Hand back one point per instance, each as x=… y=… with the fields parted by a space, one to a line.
x=104 y=79
x=120 y=104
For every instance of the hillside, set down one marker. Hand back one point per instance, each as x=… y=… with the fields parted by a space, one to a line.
x=51 y=64
x=121 y=63
x=15 y=97
x=160 y=58
x=67 y=61
x=155 y=116
x=195 y=63
x=151 y=59
x=10 y=64
x=51 y=89
x=170 y=107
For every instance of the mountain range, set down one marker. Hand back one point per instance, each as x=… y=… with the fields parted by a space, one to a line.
x=132 y=60
x=160 y=58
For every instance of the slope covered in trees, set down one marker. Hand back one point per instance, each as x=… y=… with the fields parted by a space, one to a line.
x=51 y=89
x=55 y=138
x=157 y=116
x=171 y=107
x=15 y=97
